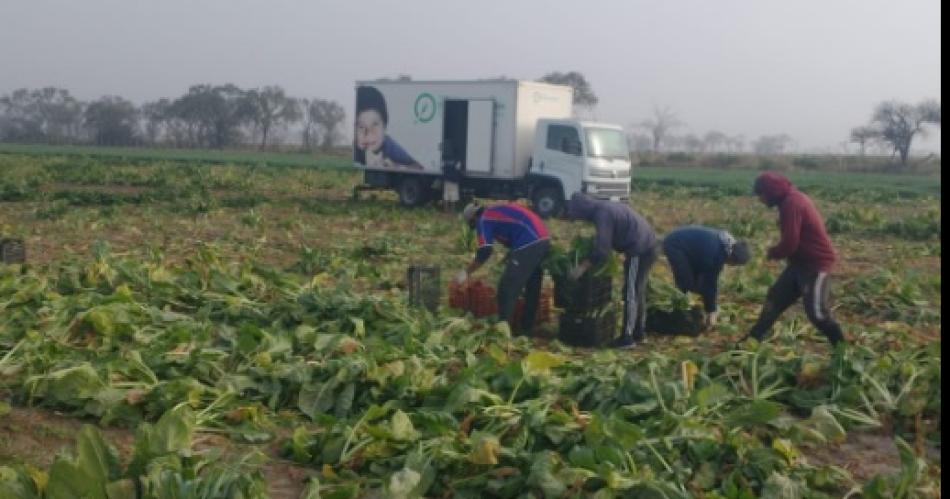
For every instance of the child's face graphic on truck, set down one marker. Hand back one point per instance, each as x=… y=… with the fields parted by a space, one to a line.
x=370 y=130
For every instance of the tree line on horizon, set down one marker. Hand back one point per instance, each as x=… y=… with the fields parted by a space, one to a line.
x=220 y=116
x=206 y=116
x=892 y=127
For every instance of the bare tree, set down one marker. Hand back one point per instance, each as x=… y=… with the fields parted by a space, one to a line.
x=735 y=143
x=213 y=115
x=896 y=123
x=674 y=143
x=693 y=144
x=328 y=115
x=308 y=129
x=639 y=142
x=112 y=121
x=714 y=139
x=164 y=124
x=659 y=126
x=930 y=111
x=772 y=144
x=151 y=115
x=862 y=135
x=270 y=107
x=47 y=114
x=583 y=93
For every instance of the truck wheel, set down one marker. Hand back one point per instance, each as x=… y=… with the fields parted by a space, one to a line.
x=412 y=192
x=547 y=201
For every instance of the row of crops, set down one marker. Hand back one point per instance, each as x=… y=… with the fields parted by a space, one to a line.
x=67 y=182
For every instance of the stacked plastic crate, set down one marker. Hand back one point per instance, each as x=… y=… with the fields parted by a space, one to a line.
x=589 y=317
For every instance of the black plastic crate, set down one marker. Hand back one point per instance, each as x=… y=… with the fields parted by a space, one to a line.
x=12 y=250
x=675 y=322
x=585 y=294
x=588 y=330
x=424 y=285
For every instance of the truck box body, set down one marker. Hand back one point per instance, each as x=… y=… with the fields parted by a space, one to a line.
x=486 y=127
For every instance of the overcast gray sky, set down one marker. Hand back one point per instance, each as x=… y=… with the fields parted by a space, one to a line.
x=809 y=68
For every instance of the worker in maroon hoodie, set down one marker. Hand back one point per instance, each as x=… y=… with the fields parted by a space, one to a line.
x=805 y=245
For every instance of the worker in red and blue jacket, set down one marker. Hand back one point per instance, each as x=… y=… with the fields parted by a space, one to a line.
x=528 y=241
x=805 y=245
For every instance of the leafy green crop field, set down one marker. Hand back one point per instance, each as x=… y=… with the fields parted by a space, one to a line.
x=221 y=326
x=191 y=156
x=829 y=185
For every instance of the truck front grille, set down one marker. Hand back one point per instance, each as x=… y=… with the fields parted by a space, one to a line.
x=607 y=173
x=605 y=190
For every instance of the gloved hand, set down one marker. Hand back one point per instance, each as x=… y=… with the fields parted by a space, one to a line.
x=576 y=273
x=461 y=277
x=710 y=320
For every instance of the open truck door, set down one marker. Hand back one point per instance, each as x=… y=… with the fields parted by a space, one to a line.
x=481 y=131
x=468 y=131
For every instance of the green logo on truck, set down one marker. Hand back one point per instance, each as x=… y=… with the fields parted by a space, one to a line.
x=425 y=107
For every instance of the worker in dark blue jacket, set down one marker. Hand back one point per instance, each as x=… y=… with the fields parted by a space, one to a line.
x=696 y=255
x=623 y=230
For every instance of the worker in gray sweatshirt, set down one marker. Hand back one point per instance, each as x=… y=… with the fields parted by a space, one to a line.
x=620 y=228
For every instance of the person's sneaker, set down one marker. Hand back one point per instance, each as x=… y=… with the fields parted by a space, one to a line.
x=624 y=343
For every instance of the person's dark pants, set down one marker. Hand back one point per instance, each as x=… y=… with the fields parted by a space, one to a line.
x=684 y=277
x=522 y=272
x=636 y=269
x=793 y=283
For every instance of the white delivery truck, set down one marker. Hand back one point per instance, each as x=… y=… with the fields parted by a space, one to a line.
x=501 y=139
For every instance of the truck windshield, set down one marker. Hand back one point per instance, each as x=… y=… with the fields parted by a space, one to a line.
x=606 y=143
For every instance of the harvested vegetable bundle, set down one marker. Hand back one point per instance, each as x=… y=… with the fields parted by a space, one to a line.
x=669 y=311
x=589 y=318
x=560 y=261
x=593 y=290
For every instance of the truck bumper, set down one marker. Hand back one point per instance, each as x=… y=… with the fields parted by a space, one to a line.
x=614 y=191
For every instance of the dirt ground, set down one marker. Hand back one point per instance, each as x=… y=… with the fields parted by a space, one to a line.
x=862 y=454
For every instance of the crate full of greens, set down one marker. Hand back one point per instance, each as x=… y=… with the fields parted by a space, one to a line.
x=669 y=311
x=592 y=290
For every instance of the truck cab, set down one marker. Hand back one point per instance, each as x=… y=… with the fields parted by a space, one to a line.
x=577 y=156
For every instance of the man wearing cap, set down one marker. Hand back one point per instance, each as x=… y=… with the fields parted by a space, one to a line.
x=620 y=229
x=697 y=255
x=523 y=232
x=805 y=245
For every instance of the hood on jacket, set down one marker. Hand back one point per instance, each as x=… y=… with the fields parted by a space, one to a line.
x=774 y=186
x=580 y=207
